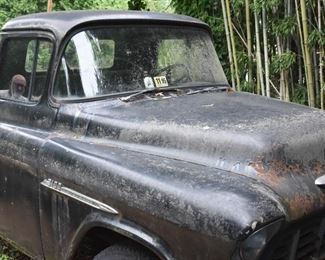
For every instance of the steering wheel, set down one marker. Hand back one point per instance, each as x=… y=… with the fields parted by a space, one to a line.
x=168 y=73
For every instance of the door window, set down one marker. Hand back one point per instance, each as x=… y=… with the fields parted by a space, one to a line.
x=24 y=66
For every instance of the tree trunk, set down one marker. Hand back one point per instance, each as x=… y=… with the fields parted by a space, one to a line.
x=321 y=56
x=310 y=81
x=289 y=84
x=49 y=5
x=233 y=45
x=282 y=78
x=258 y=54
x=249 y=42
x=316 y=76
x=266 y=54
x=302 y=48
x=230 y=55
x=279 y=50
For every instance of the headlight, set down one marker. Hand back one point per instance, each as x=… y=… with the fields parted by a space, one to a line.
x=252 y=247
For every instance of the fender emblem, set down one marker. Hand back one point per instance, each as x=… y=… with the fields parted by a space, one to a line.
x=320 y=182
x=59 y=188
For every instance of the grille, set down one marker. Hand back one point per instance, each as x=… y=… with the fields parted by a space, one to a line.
x=303 y=240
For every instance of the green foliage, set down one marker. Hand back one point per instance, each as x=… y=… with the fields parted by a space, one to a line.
x=171 y=52
x=247 y=87
x=160 y=6
x=242 y=59
x=258 y=5
x=238 y=5
x=316 y=37
x=281 y=27
x=283 y=62
x=10 y=9
x=7 y=252
x=210 y=12
x=110 y=4
x=73 y=4
x=285 y=26
x=137 y=5
x=300 y=95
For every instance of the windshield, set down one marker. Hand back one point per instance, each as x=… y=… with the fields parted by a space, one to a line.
x=119 y=59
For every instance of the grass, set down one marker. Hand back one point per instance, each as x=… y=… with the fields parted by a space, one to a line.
x=7 y=252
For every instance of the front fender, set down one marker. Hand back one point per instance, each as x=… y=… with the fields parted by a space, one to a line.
x=191 y=207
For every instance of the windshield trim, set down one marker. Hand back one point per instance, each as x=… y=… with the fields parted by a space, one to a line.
x=129 y=93
x=55 y=101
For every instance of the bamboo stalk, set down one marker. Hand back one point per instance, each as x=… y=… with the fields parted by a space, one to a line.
x=302 y=45
x=288 y=83
x=321 y=76
x=249 y=42
x=321 y=57
x=266 y=55
x=286 y=86
x=233 y=45
x=258 y=55
x=274 y=88
x=239 y=35
x=258 y=81
x=231 y=62
x=310 y=83
x=282 y=77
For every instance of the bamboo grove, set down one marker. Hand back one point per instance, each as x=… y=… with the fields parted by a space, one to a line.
x=269 y=47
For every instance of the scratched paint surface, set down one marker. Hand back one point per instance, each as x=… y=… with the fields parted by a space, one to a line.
x=234 y=132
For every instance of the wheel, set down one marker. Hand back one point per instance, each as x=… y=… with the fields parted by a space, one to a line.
x=125 y=251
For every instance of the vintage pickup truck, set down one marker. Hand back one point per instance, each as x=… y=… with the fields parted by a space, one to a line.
x=121 y=139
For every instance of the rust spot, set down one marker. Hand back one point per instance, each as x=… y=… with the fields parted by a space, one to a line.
x=317 y=168
x=295 y=182
x=300 y=205
x=274 y=172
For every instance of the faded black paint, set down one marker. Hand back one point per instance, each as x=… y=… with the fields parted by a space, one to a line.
x=189 y=175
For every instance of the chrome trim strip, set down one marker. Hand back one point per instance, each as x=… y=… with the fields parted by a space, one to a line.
x=59 y=188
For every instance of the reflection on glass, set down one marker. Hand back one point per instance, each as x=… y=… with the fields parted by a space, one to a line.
x=121 y=59
x=87 y=64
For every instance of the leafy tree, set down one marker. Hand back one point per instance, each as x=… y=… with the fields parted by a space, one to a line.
x=137 y=5
x=110 y=4
x=10 y=9
x=73 y=4
x=278 y=45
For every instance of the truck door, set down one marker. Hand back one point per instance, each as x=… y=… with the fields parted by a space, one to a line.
x=25 y=120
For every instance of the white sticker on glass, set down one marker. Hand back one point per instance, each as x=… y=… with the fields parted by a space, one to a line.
x=148 y=83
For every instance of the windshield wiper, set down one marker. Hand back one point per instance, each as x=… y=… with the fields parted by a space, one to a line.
x=161 y=90
x=147 y=91
x=209 y=89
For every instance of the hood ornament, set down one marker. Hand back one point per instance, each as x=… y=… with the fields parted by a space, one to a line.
x=320 y=182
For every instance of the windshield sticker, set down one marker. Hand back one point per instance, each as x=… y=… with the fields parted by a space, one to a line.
x=148 y=83
x=160 y=81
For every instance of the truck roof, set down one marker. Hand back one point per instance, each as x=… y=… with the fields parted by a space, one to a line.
x=60 y=23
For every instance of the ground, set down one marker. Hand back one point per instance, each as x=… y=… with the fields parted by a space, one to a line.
x=7 y=252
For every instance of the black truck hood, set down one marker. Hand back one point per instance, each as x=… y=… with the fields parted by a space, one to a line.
x=275 y=143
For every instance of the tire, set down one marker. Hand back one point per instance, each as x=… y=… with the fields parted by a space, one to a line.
x=125 y=251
